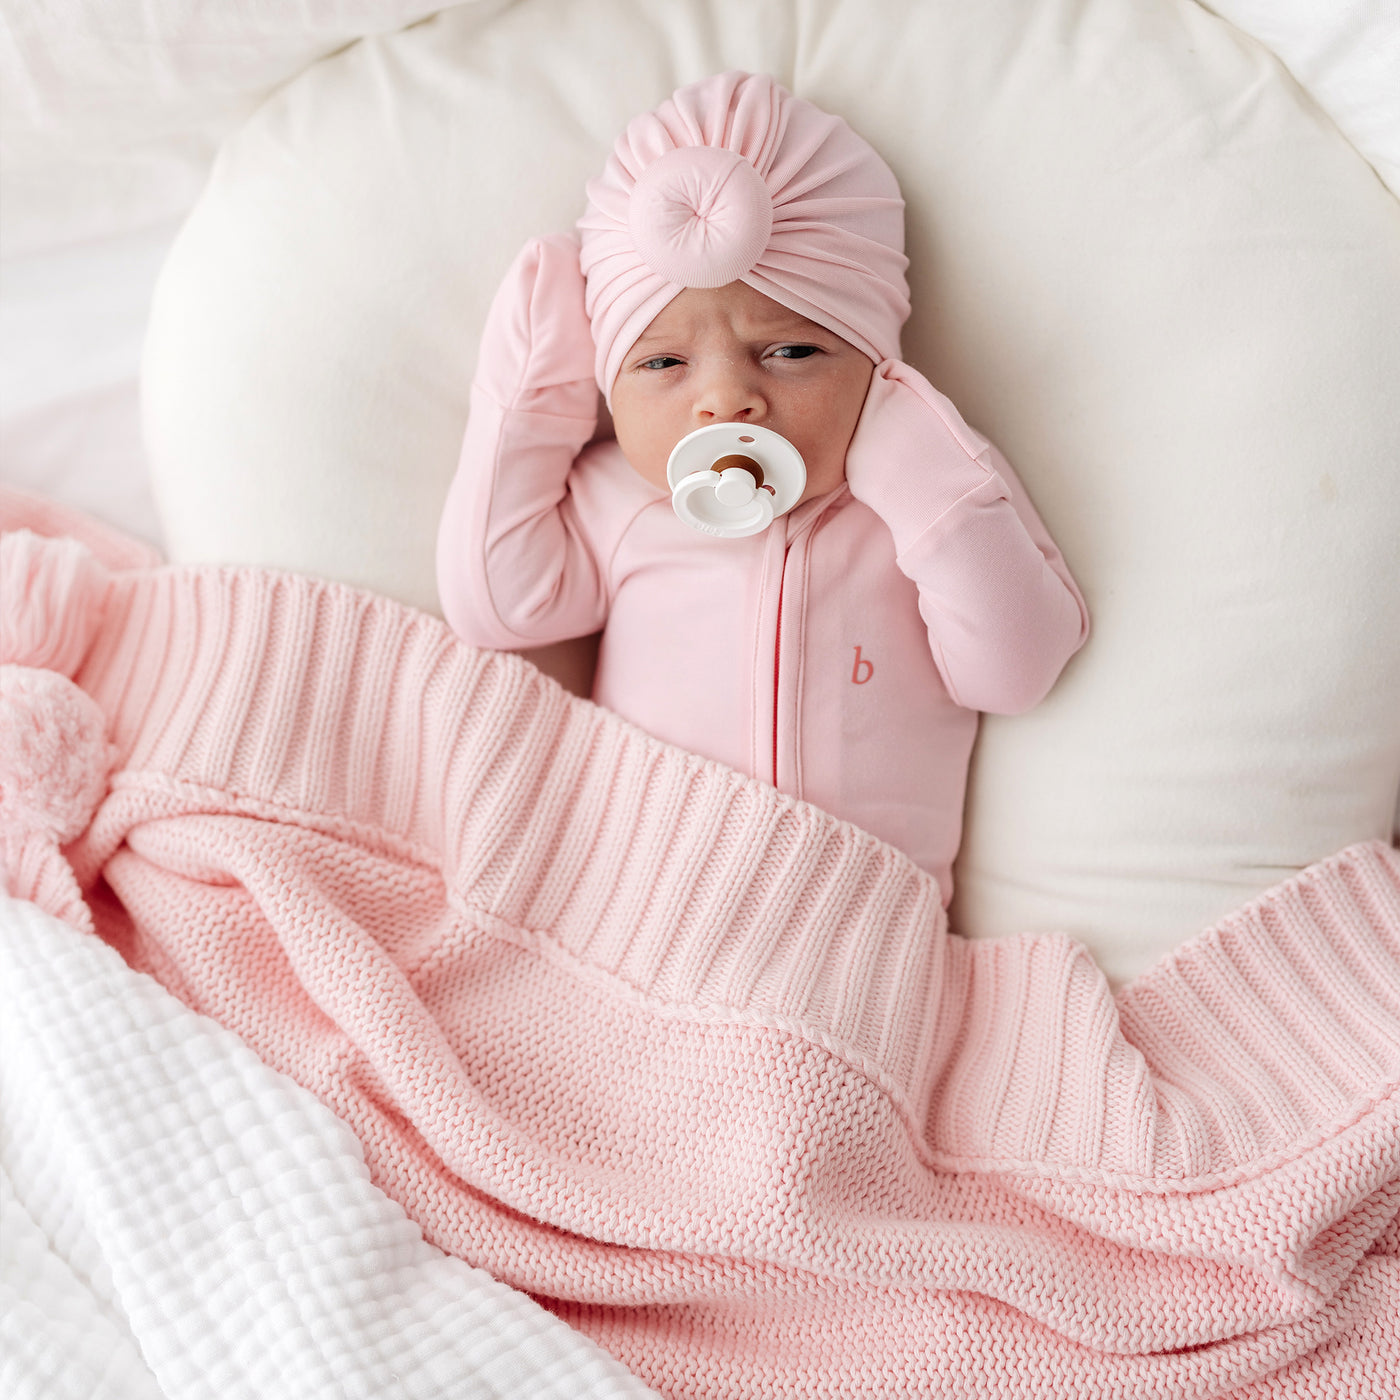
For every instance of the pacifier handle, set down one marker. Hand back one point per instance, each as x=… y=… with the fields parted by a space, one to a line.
x=744 y=509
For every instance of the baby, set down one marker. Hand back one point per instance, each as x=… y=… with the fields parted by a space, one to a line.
x=741 y=261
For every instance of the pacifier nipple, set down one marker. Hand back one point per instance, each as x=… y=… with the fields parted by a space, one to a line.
x=734 y=479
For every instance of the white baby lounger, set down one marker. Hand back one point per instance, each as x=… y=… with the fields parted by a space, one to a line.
x=1143 y=262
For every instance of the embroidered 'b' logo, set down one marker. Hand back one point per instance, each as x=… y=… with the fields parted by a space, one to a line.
x=862 y=670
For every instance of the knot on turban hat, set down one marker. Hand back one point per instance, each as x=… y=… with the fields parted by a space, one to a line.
x=733 y=179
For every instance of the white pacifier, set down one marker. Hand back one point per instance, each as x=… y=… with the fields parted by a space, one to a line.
x=734 y=479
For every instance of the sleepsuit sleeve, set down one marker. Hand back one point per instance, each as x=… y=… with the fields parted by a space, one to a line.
x=1003 y=613
x=514 y=564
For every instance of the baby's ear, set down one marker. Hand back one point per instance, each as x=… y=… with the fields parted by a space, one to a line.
x=537 y=348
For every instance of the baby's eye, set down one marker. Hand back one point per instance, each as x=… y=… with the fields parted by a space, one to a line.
x=659 y=362
x=794 y=352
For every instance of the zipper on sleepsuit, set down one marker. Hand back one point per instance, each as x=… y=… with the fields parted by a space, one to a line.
x=777 y=652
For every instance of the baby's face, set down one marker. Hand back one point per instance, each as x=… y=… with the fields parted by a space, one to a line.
x=732 y=355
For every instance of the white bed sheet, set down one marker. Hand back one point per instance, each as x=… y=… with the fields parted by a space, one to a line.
x=111 y=112
x=1345 y=54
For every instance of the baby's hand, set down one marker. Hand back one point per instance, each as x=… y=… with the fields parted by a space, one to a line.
x=536 y=348
x=513 y=569
x=911 y=456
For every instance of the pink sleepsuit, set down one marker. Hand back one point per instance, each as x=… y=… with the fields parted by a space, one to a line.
x=841 y=655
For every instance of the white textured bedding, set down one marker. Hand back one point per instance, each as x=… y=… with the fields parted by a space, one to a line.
x=110 y=118
x=180 y=1221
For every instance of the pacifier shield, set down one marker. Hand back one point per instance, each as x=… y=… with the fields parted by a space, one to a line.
x=734 y=479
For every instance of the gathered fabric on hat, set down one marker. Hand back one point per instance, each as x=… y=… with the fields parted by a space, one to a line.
x=733 y=179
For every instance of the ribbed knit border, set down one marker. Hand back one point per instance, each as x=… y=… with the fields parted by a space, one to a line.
x=718 y=897
x=676 y=875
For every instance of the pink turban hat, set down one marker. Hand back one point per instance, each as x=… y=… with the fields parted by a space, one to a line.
x=733 y=179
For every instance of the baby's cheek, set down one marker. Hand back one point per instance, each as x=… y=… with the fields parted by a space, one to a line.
x=645 y=432
x=641 y=451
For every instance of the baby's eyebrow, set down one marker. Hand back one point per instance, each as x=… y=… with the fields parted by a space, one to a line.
x=786 y=328
x=652 y=338
x=790 y=328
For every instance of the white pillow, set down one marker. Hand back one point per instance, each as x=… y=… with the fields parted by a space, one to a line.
x=110 y=110
x=1142 y=262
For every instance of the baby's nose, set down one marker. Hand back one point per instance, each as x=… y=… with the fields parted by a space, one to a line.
x=728 y=394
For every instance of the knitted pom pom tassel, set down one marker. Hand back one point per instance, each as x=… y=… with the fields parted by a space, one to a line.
x=54 y=762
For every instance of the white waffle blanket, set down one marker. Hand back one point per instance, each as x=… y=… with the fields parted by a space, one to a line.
x=179 y=1220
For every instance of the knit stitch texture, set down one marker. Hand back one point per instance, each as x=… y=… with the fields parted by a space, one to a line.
x=703 y=1069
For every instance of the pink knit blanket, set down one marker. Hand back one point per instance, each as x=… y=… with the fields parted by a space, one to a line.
x=693 y=1063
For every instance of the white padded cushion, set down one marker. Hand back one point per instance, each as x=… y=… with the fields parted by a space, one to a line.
x=1142 y=262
